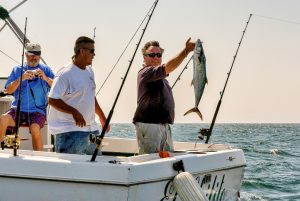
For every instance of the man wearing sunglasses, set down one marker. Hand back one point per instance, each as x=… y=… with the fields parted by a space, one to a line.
x=36 y=83
x=73 y=102
x=155 y=102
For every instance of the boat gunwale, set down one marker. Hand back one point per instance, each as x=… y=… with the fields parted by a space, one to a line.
x=72 y=180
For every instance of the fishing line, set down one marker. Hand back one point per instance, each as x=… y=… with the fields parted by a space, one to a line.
x=185 y=68
x=125 y=48
x=278 y=19
x=9 y=57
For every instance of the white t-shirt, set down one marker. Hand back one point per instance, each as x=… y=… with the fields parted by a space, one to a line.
x=76 y=87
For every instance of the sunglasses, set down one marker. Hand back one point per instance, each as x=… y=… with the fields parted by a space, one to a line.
x=92 y=51
x=152 y=55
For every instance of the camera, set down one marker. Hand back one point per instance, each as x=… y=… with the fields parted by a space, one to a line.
x=35 y=73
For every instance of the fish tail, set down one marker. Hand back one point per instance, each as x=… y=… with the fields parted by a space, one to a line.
x=194 y=109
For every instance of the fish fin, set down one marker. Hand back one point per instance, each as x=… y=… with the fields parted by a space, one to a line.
x=199 y=113
x=189 y=111
x=206 y=80
x=194 y=109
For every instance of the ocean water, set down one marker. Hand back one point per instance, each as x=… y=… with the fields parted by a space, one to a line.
x=272 y=154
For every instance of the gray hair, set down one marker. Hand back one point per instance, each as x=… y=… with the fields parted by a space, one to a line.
x=149 y=44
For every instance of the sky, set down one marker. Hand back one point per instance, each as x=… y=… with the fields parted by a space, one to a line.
x=264 y=83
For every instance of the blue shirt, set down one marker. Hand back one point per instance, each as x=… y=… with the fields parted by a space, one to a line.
x=34 y=92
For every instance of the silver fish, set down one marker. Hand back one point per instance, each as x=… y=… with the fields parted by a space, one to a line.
x=199 y=76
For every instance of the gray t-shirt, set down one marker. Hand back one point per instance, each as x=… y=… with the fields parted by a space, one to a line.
x=155 y=99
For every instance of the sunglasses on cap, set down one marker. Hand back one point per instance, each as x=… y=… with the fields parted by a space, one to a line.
x=152 y=55
x=92 y=51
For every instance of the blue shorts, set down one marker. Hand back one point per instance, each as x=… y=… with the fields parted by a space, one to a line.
x=75 y=142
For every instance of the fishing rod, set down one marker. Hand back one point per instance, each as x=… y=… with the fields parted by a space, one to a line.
x=17 y=137
x=208 y=132
x=124 y=50
x=99 y=139
x=185 y=67
x=94 y=36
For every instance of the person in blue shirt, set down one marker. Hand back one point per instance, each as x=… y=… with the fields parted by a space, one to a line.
x=36 y=82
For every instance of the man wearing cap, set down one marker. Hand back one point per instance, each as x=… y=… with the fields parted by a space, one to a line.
x=36 y=83
x=73 y=103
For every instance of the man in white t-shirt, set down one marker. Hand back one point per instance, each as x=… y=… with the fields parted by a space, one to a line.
x=73 y=103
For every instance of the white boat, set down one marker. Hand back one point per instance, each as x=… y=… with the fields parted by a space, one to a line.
x=115 y=176
x=118 y=174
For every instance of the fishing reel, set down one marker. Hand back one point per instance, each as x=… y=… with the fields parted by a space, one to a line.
x=203 y=132
x=3 y=93
x=95 y=139
x=10 y=140
x=92 y=138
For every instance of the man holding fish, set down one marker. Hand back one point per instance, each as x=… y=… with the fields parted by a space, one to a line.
x=155 y=102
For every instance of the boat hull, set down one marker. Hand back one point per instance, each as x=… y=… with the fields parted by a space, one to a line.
x=214 y=184
x=51 y=176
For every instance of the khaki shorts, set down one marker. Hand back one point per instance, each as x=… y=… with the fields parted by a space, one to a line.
x=153 y=138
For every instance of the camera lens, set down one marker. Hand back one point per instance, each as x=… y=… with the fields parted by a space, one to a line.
x=35 y=73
